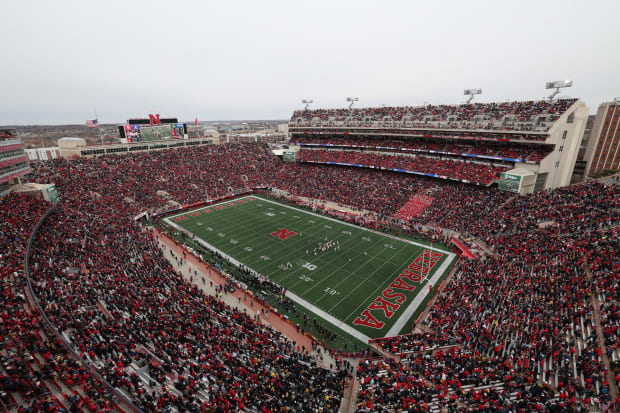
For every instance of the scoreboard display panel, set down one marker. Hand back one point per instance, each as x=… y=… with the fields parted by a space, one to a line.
x=132 y=133
x=509 y=182
x=288 y=156
x=143 y=133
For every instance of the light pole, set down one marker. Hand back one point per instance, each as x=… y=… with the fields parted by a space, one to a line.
x=471 y=93
x=351 y=101
x=557 y=85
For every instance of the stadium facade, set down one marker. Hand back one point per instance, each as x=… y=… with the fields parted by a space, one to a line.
x=539 y=138
x=13 y=160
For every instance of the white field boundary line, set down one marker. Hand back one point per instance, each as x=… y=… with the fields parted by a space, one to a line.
x=256 y=197
x=399 y=324
x=330 y=319
x=209 y=206
x=381 y=287
x=358 y=227
x=413 y=306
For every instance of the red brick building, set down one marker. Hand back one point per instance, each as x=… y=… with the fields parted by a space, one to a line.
x=603 y=151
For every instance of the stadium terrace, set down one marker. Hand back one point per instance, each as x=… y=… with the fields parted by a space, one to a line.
x=185 y=278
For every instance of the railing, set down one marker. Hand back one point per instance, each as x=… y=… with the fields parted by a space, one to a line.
x=127 y=404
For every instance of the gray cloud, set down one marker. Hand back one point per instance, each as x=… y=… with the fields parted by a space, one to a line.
x=255 y=60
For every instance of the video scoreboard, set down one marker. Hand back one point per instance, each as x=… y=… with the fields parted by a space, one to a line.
x=144 y=133
x=152 y=129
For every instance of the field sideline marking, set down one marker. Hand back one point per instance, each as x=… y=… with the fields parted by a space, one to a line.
x=398 y=324
x=327 y=317
x=257 y=197
x=332 y=320
x=417 y=300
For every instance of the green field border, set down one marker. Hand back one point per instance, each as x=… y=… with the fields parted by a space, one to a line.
x=451 y=257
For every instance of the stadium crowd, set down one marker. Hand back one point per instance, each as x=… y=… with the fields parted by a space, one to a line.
x=521 y=322
x=37 y=372
x=532 y=153
x=513 y=332
x=527 y=115
x=479 y=173
x=127 y=305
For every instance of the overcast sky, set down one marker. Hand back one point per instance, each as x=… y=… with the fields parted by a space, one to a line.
x=257 y=59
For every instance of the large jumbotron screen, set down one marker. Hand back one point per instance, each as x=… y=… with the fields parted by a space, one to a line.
x=143 y=133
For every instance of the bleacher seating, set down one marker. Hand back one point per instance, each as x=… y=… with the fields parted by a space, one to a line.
x=516 y=331
x=524 y=116
x=127 y=307
x=478 y=173
x=482 y=149
x=526 y=314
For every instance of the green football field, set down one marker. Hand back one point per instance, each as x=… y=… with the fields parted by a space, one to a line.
x=363 y=282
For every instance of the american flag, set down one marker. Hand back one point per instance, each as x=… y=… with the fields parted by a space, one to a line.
x=92 y=123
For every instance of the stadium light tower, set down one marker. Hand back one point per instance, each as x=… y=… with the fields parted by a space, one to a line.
x=306 y=102
x=557 y=85
x=351 y=101
x=471 y=93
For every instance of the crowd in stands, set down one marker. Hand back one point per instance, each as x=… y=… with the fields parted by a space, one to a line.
x=413 y=207
x=479 y=173
x=531 y=153
x=127 y=306
x=520 y=325
x=382 y=192
x=528 y=115
x=37 y=372
x=515 y=331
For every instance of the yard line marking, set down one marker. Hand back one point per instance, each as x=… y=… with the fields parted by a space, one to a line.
x=363 y=228
x=330 y=319
x=389 y=280
x=260 y=250
x=295 y=252
x=341 y=281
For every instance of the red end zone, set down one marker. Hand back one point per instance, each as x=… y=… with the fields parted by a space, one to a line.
x=407 y=280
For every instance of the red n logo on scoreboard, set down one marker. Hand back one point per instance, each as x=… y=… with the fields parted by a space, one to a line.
x=283 y=233
x=154 y=119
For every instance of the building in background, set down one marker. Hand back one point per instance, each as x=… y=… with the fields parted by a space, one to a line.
x=13 y=160
x=43 y=154
x=603 y=150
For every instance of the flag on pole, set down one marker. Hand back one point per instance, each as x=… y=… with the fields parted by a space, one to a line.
x=196 y=121
x=92 y=123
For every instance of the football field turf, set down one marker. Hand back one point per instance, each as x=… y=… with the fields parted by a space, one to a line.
x=363 y=282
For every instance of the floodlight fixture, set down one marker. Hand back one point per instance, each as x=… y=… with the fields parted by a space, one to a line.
x=557 y=85
x=306 y=102
x=351 y=101
x=471 y=93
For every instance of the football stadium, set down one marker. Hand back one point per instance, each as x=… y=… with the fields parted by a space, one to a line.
x=436 y=256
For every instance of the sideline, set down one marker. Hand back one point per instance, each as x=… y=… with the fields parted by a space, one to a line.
x=400 y=322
